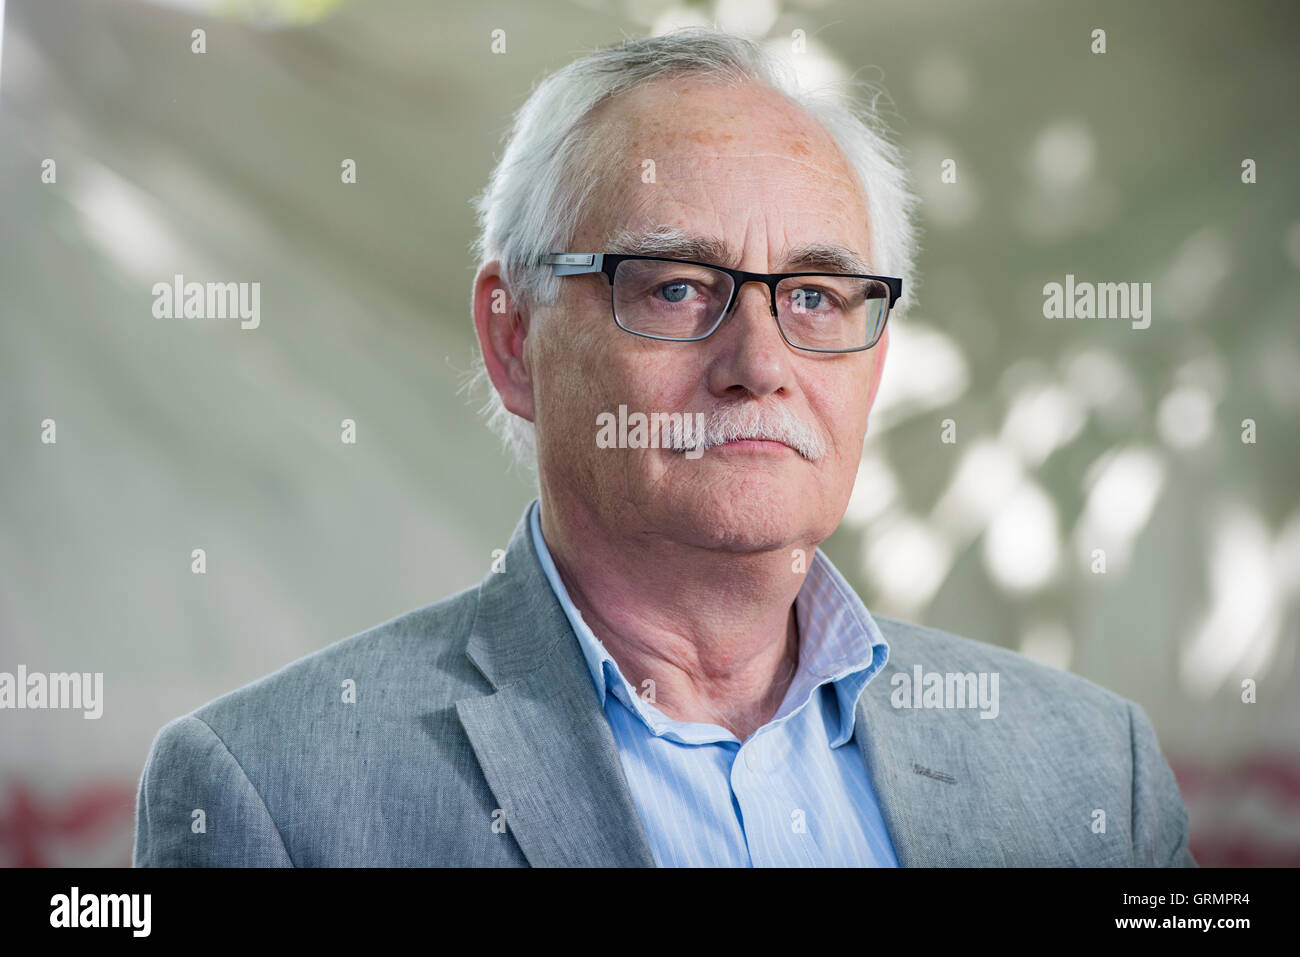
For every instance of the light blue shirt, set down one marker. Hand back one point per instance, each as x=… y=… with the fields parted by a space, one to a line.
x=796 y=793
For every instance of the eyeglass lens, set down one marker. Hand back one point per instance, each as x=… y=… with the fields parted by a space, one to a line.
x=672 y=300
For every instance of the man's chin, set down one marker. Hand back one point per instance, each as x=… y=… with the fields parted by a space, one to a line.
x=743 y=509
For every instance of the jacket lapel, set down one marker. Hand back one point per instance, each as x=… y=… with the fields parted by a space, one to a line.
x=928 y=787
x=541 y=738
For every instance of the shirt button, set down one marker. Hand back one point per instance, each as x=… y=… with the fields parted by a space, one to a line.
x=751 y=757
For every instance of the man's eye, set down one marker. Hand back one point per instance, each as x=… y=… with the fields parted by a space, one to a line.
x=807 y=299
x=675 y=291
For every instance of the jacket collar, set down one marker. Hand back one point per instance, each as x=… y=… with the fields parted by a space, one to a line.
x=546 y=750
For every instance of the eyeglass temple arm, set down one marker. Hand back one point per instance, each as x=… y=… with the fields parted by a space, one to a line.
x=895 y=291
x=574 y=264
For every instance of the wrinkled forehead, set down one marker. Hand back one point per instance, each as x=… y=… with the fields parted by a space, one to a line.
x=709 y=113
x=700 y=147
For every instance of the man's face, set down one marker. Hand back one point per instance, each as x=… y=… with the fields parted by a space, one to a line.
x=744 y=166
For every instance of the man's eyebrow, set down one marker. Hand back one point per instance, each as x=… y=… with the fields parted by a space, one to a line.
x=673 y=243
x=825 y=258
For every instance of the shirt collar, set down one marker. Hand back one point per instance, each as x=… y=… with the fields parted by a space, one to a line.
x=840 y=643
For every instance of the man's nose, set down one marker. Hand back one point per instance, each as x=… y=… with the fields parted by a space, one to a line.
x=752 y=355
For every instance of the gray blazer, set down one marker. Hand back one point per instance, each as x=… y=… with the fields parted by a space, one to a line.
x=476 y=738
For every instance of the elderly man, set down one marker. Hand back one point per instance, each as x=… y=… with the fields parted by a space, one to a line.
x=663 y=668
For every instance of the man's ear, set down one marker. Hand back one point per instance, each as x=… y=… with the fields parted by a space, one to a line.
x=501 y=323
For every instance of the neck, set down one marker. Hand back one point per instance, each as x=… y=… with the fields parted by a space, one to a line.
x=711 y=636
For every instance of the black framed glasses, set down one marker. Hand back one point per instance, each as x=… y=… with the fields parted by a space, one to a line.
x=684 y=301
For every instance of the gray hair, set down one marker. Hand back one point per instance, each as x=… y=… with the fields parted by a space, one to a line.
x=538 y=192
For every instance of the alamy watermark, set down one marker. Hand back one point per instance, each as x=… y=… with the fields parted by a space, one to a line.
x=58 y=690
x=937 y=689
x=683 y=431
x=1103 y=300
x=75 y=909
x=179 y=299
x=693 y=432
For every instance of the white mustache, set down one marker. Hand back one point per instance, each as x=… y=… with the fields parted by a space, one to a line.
x=729 y=423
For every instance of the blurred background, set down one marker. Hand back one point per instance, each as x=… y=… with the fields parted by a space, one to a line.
x=1072 y=435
